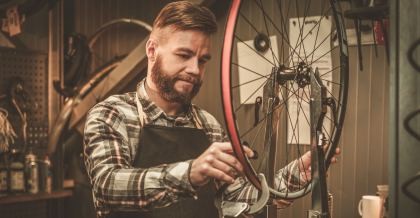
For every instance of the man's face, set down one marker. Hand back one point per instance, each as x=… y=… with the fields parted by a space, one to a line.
x=179 y=66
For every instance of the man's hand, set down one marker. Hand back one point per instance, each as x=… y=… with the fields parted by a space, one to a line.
x=305 y=174
x=305 y=162
x=217 y=162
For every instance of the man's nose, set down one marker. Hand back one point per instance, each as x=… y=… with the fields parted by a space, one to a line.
x=193 y=67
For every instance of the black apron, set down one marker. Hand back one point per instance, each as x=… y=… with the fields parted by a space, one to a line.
x=161 y=145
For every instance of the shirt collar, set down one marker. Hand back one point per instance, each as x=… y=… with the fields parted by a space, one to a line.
x=153 y=112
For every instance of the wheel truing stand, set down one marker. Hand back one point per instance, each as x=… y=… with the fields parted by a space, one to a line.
x=318 y=105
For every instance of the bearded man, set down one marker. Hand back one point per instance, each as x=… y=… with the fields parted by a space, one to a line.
x=152 y=153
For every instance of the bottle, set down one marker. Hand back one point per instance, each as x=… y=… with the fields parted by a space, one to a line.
x=4 y=175
x=17 y=173
x=330 y=203
x=45 y=177
x=31 y=169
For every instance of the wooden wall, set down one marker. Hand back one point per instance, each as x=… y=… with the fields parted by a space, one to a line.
x=364 y=143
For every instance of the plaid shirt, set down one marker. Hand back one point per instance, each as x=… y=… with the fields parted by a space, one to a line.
x=111 y=138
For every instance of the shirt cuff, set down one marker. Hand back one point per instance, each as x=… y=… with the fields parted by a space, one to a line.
x=176 y=177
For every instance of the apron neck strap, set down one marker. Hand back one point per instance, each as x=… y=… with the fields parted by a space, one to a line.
x=142 y=115
x=143 y=119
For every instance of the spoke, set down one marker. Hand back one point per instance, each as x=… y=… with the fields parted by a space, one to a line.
x=237 y=86
x=252 y=145
x=300 y=105
x=289 y=117
x=301 y=26
x=306 y=118
x=287 y=16
x=256 y=135
x=335 y=99
x=252 y=94
x=306 y=95
x=249 y=22
x=330 y=119
x=256 y=30
x=284 y=28
x=255 y=51
x=268 y=34
x=316 y=25
x=297 y=15
x=290 y=120
x=294 y=89
x=297 y=119
x=335 y=83
x=282 y=19
x=298 y=147
x=267 y=77
x=329 y=71
x=281 y=34
x=282 y=25
x=264 y=162
x=278 y=106
x=317 y=33
x=258 y=78
x=328 y=135
x=328 y=36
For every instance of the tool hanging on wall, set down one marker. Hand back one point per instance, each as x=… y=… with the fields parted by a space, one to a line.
x=16 y=107
x=13 y=13
x=7 y=133
x=378 y=13
x=77 y=58
x=21 y=101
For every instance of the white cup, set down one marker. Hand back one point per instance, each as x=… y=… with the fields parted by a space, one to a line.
x=370 y=206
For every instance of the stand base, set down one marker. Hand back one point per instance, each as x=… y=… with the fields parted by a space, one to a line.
x=269 y=211
x=317 y=214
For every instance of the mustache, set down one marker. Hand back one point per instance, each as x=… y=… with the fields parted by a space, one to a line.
x=188 y=78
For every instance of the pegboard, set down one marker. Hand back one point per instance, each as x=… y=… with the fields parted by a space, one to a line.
x=32 y=68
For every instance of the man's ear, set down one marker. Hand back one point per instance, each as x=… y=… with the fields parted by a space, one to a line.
x=151 y=46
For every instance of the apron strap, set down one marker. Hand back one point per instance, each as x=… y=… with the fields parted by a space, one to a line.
x=143 y=119
x=196 y=119
x=142 y=115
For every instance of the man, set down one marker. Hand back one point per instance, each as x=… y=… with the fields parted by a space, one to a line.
x=151 y=153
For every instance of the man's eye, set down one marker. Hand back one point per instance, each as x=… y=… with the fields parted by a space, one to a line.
x=202 y=61
x=184 y=56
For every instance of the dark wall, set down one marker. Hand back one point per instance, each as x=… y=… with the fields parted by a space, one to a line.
x=404 y=99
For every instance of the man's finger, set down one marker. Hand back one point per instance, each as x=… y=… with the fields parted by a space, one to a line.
x=220 y=175
x=231 y=161
x=225 y=147
x=337 y=151
x=225 y=168
x=249 y=152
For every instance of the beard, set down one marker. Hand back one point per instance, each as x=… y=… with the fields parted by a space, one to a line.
x=166 y=84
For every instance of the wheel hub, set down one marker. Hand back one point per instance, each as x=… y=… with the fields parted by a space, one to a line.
x=300 y=74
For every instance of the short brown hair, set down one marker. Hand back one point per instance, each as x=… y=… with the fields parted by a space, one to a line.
x=184 y=15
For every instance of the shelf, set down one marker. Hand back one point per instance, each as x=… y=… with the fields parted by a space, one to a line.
x=21 y=198
x=368 y=13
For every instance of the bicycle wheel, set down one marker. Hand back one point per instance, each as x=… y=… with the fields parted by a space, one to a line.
x=270 y=49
